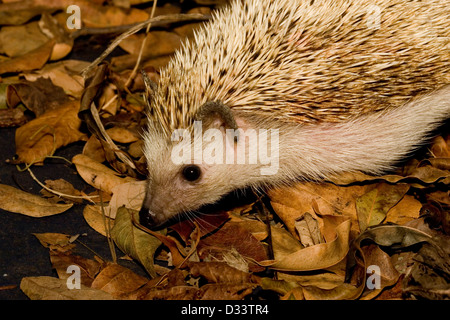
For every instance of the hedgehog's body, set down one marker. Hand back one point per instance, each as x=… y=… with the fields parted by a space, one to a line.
x=350 y=85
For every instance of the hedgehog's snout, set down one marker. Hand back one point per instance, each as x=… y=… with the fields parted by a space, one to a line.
x=149 y=219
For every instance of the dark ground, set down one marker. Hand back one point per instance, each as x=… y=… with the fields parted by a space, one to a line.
x=21 y=254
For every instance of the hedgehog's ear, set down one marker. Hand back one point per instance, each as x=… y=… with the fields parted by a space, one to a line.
x=215 y=114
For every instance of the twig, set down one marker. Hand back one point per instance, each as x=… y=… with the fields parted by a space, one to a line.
x=141 y=49
x=56 y=192
x=166 y=18
x=107 y=223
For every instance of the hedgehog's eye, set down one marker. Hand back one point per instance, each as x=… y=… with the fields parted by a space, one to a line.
x=191 y=172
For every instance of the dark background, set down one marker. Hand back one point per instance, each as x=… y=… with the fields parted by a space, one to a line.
x=21 y=254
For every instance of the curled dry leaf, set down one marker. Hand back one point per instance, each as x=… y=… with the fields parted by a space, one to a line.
x=373 y=255
x=318 y=256
x=394 y=236
x=308 y=230
x=425 y=174
x=290 y=203
x=15 y=200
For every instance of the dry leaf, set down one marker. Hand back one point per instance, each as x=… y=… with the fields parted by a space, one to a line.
x=373 y=206
x=128 y=194
x=15 y=200
x=93 y=148
x=440 y=147
x=118 y=280
x=133 y=241
x=96 y=220
x=88 y=268
x=98 y=175
x=233 y=235
x=56 y=242
x=19 y=40
x=122 y=135
x=308 y=230
x=35 y=95
x=320 y=256
x=374 y=256
x=32 y=60
x=49 y=288
x=220 y=272
x=290 y=203
x=64 y=74
x=64 y=189
x=40 y=137
x=406 y=210
x=214 y=291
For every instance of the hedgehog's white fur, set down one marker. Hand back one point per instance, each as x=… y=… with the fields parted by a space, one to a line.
x=344 y=96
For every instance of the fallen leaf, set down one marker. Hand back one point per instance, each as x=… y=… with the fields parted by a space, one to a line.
x=12 y=117
x=292 y=202
x=128 y=194
x=232 y=235
x=440 y=148
x=65 y=189
x=388 y=276
x=96 y=220
x=88 y=268
x=320 y=256
x=64 y=74
x=373 y=206
x=98 y=175
x=32 y=60
x=15 y=200
x=49 y=288
x=133 y=241
x=35 y=95
x=214 y=291
x=40 y=137
x=308 y=230
x=407 y=209
x=122 y=135
x=56 y=242
x=118 y=280
x=220 y=272
x=425 y=174
x=19 y=40
x=394 y=236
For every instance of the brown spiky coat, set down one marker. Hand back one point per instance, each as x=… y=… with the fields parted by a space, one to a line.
x=350 y=84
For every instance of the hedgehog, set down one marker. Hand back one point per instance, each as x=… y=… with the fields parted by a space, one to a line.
x=269 y=93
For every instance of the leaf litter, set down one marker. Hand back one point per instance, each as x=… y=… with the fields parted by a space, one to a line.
x=320 y=238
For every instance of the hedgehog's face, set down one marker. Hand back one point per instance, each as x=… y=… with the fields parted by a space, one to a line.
x=178 y=182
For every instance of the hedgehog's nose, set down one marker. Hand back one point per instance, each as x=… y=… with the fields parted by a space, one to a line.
x=148 y=219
